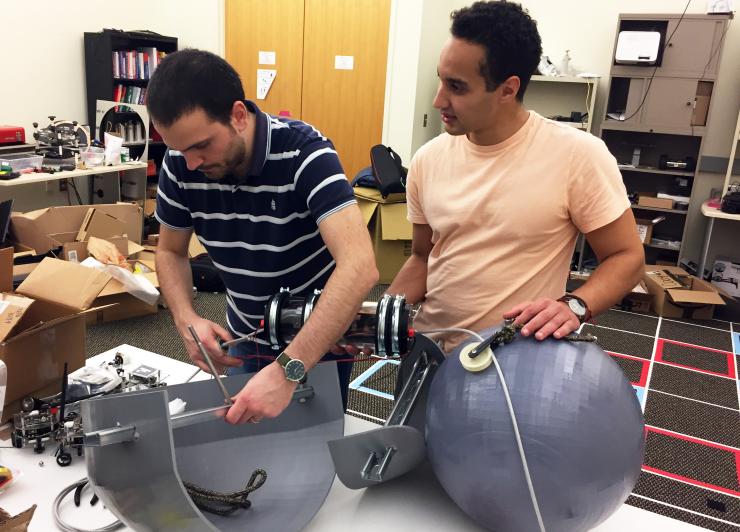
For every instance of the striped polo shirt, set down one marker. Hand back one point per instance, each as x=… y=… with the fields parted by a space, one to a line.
x=261 y=229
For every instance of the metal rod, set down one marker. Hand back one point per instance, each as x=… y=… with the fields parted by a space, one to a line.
x=202 y=349
x=197 y=416
x=251 y=337
x=111 y=436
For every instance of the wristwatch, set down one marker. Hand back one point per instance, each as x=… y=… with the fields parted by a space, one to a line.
x=294 y=369
x=578 y=306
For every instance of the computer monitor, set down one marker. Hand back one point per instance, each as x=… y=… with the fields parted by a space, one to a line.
x=6 y=207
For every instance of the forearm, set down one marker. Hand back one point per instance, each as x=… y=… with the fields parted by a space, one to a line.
x=176 y=285
x=612 y=280
x=411 y=280
x=337 y=307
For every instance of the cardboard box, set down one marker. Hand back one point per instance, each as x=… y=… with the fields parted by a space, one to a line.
x=726 y=276
x=389 y=229
x=49 y=228
x=6 y=274
x=150 y=206
x=701 y=103
x=100 y=225
x=651 y=201
x=39 y=336
x=195 y=248
x=645 y=228
x=84 y=288
x=638 y=300
x=77 y=251
x=676 y=294
x=114 y=303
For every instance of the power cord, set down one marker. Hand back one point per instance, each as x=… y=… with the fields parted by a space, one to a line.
x=79 y=485
x=711 y=57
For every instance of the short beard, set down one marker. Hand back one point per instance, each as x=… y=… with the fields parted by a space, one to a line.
x=236 y=157
x=234 y=160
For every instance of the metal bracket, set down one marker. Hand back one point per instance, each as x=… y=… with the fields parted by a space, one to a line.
x=376 y=467
x=379 y=455
x=112 y=436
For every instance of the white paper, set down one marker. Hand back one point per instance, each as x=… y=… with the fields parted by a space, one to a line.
x=344 y=62
x=137 y=285
x=265 y=77
x=3 y=385
x=642 y=232
x=113 y=145
x=266 y=58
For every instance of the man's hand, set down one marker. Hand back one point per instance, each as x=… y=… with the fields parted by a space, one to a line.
x=266 y=394
x=209 y=332
x=544 y=317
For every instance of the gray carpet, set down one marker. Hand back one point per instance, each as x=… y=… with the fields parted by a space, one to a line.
x=156 y=333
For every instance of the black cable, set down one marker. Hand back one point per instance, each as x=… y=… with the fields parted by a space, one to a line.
x=650 y=81
x=74 y=186
x=714 y=52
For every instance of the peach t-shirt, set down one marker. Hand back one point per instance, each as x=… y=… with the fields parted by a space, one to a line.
x=505 y=218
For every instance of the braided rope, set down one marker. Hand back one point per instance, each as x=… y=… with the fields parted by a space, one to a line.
x=225 y=503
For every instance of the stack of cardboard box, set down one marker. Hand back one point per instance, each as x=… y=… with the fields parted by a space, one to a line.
x=38 y=336
x=70 y=229
x=389 y=229
x=43 y=323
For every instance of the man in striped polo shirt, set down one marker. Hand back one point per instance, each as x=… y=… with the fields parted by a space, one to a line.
x=268 y=199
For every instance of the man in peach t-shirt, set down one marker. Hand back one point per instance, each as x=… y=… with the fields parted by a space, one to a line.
x=498 y=200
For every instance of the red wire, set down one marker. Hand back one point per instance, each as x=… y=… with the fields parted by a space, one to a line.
x=271 y=358
x=351 y=359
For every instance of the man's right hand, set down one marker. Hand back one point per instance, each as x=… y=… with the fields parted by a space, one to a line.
x=209 y=333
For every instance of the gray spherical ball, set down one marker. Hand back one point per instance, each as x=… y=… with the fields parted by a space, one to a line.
x=581 y=426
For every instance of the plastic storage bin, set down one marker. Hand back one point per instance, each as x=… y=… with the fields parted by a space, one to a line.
x=22 y=161
x=92 y=156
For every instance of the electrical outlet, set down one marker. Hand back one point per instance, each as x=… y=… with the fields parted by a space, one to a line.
x=63 y=185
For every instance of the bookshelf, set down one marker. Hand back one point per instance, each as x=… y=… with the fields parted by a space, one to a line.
x=118 y=66
x=562 y=97
x=655 y=121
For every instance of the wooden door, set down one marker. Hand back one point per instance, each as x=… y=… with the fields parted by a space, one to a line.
x=254 y=26
x=345 y=104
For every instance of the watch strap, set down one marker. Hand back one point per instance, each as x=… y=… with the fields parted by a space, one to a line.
x=283 y=359
x=568 y=296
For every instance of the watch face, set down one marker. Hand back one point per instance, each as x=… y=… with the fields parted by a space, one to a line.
x=295 y=370
x=576 y=307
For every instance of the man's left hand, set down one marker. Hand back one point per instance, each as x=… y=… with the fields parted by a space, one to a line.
x=266 y=394
x=544 y=317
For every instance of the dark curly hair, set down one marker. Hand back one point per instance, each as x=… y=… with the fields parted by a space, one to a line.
x=509 y=37
x=191 y=79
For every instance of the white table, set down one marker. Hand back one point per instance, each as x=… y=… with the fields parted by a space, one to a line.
x=713 y=214
x=41 y=177
x=414 y=502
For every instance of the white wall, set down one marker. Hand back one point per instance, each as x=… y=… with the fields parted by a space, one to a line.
x=44 y=74
x=404 y=40
x=417 y=31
